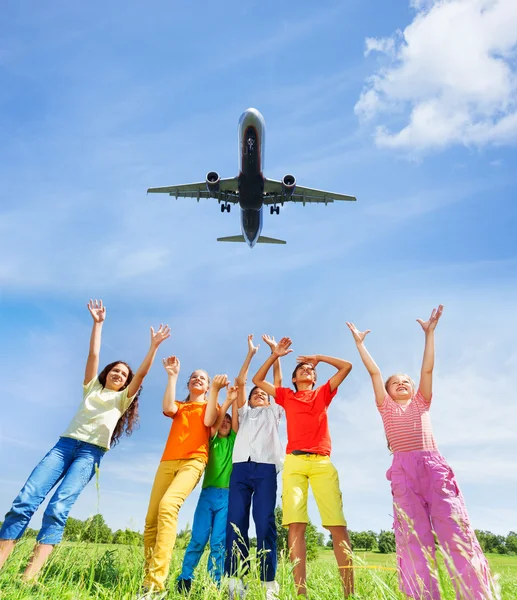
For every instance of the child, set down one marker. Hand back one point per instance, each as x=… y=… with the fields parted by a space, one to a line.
x=426 y=498
x=212 y=506
x=109 y=408
x=308 y=459
x=182 y=464
x=257 y=458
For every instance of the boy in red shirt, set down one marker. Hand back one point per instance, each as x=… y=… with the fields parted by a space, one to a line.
x=308 y=459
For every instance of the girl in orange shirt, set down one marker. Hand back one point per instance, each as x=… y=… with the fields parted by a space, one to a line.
x=182 y=464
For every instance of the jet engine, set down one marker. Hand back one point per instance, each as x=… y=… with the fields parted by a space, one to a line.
x=212 y=182
x=288 y=185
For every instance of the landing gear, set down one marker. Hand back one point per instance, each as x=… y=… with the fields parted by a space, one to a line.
x=274 y=209
x=226 y=206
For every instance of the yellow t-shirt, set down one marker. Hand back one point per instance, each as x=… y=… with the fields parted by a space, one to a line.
x=98 y=414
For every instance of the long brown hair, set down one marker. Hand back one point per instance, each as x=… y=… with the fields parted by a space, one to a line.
x=130 y=420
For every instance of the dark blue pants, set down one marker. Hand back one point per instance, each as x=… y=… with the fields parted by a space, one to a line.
x=251 y=481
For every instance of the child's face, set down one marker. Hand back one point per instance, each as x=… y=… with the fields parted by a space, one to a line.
x=117 y=377
x=258 y=398
x=305 y=373
x=198 y=382
x=400 y=387
x=225 y=427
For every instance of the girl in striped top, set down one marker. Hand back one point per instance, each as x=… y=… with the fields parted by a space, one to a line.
x=427 y=501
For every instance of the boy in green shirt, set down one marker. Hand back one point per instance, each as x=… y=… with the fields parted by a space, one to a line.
x=212 y=507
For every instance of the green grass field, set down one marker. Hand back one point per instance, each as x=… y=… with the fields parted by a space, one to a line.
x=81 y=571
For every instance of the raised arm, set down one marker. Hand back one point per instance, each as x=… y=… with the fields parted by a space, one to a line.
x=426 y=374
x=243 y=373
x=212 y=409
x=281 y=349
x=172 y=366
x=231 y=397
x=98 y=313
x=343 y=367
x=277 y=369
x=157 y=337
x=372 y=368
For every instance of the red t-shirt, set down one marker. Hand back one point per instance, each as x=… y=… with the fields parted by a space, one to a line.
x=306 y=416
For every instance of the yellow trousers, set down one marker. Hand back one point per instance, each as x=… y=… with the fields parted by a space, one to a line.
x=174 y=481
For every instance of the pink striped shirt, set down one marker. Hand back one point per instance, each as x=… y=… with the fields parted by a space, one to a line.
x=408 y=426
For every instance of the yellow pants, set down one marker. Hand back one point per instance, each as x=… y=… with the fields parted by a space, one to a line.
x=174 y=481
x=298 y=472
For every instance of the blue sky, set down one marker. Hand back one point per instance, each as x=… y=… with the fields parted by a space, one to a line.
x=411 y=107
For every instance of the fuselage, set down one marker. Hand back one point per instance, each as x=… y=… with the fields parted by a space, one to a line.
x=252 y=129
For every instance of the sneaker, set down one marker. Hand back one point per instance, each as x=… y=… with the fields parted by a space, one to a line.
x=272 y=589
x=183 y=585
x=236 y=589
x=147 y=594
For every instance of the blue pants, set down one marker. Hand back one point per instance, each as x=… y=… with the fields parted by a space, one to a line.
x=257 y=481
x=209 y=522
x=70 y=461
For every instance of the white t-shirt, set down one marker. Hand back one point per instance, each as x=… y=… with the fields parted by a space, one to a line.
x=98 y=414
x=257 y=438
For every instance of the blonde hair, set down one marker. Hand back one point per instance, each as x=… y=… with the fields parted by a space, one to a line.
x=387 y=382
x=187 y=399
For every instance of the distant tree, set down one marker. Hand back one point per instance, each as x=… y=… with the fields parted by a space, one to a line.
x=312 y=537
x=95 y=530
x=73 y=529
x=363 y=540
x=330 y=543
x=128 y=537
x=387 y=542
x=491 y=542
x=511 y=542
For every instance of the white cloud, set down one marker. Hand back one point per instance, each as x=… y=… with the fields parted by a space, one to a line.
x=451 y=74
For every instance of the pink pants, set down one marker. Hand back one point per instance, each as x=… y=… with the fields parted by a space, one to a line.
x=427 y=502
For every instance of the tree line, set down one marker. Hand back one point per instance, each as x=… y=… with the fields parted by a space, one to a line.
x=95 y=530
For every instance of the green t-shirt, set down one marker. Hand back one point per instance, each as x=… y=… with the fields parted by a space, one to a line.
x=219 y=466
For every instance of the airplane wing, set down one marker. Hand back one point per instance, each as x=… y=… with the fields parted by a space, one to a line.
x=273 y=194
x=228 y=190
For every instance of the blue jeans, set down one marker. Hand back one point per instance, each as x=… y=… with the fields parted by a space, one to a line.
x=70 y=461
x=257 y=481
x=209 y=522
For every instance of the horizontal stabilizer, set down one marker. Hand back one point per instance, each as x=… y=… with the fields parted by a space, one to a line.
x=267 y=240
x=232 y=238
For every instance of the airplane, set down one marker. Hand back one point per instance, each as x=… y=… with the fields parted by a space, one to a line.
x=250 y=189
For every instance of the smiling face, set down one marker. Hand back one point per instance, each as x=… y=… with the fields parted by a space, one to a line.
x=304 y=374
x=258 y=398
x=198 y=383
x=400 y=387
x=117 y=377
x=226 y=427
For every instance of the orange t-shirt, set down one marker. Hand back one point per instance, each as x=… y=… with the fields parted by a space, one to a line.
x=189 y=437
x=306 y=416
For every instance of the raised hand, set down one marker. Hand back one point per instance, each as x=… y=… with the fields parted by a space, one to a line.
x=157 y=337
x=251 y=348
x=282 y=348
x=358 y=335
x=97 y=310
x=432 y=322
x=232 y=393
x=172 y=365
x=310 y=359
x=220 y=381
x=270 y=341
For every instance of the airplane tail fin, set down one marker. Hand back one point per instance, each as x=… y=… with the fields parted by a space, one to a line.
x=267 y=240
x=240 y=238
x=232 y=238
